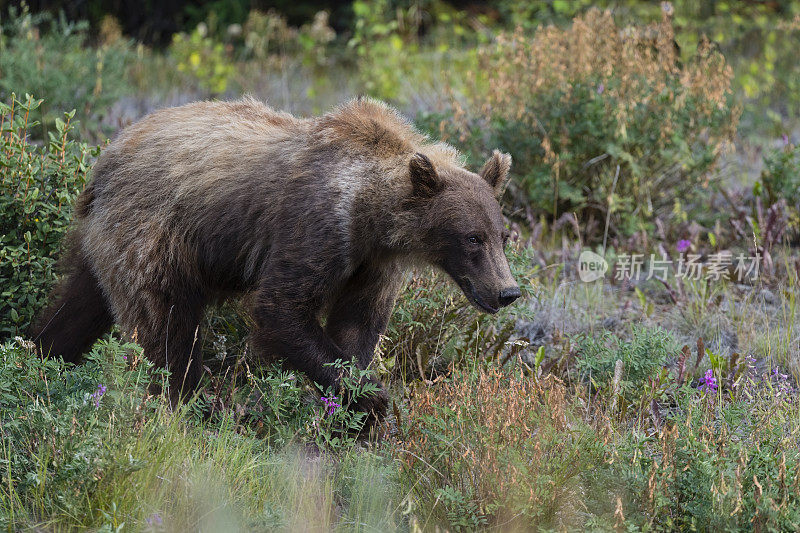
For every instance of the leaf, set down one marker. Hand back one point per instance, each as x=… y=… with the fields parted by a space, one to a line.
x=539 y=357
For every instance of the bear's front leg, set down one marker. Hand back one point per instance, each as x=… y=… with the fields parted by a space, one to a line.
x=290 y=330
x=358 y=317
x=360 y=314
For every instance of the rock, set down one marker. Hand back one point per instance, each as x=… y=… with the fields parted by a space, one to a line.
x=768 y=296
x=611 y=322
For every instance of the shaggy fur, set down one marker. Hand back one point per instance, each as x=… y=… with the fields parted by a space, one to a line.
x=316 y=217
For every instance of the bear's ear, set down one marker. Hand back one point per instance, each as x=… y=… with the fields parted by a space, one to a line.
x=495 y=171
x=424 y=178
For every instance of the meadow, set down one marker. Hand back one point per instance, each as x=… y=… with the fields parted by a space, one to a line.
x=646 y=381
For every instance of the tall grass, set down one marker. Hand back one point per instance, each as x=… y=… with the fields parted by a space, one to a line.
x=72 y=457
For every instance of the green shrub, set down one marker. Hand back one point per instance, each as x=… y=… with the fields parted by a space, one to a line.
x=384 y=51
x=729 y=466
x=268 y=37
x=642 y=357
x=780 y=178
x=574 y=105
x=405 y=50
x=43 y=410
x=205 y=59
x=758 y=39
x=43 y=55
x=38 y=184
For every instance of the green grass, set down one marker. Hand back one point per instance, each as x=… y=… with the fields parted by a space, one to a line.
x=71 y=461
x=491 y=443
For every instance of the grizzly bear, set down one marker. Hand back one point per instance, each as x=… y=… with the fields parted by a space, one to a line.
x=314 y=218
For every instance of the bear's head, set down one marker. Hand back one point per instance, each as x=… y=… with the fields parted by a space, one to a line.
x=460 y=227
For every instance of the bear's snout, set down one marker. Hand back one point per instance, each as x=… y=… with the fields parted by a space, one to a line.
x=508 y=295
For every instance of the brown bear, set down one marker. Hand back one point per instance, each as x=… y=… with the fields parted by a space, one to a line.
x=316 y=217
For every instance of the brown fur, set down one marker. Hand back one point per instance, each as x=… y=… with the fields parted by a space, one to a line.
x=316 y=217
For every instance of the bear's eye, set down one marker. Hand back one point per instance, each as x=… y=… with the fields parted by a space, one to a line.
x=474 y=240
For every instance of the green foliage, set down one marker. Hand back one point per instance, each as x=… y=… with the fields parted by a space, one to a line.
x=382 y=51
x=268 y=36
x=499 y=446
x=642 y=356
x=280 y=407
x=728 y=467
x=50 y=56
x=759 y=40
x=204 y=58
x=38 y=184
x=780 y=178
x=401 y=56
x=88 y=447
x=55 y=426
x=532 y=14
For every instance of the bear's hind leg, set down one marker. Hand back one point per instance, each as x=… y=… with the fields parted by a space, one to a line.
x=77 y=316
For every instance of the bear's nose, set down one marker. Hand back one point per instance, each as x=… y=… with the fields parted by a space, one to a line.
x=508 y=295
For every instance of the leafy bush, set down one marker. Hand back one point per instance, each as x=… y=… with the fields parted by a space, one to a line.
x=384 y=51
x=574 y=105
x=642 y=357
x=38 y=184
x=780 y=179
x=205 y=59
x=757 y=39
x=717 y=465
x=269 y=36
x=43 y=55
x=407 y=52
x=42 y=409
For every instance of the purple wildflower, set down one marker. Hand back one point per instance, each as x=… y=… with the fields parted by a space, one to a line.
x=96 y=395
x=784 y=387
x=708 y=383
x=330 y=404
x=601 y=88
x=154 y=520
x=777 y=374
x=683 y=245
x=785 y=140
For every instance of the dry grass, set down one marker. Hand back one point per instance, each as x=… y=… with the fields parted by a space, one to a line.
x=501 y=449
x=642 y=60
